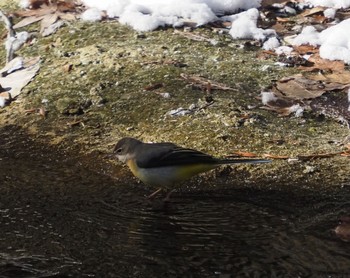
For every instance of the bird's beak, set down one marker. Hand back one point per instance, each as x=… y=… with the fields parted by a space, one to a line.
x=122 y=158
x=110 y=156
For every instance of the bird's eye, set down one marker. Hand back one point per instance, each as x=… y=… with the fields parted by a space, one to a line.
x=119 y=150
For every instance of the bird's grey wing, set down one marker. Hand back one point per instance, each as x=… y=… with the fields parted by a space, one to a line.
x=167 y=154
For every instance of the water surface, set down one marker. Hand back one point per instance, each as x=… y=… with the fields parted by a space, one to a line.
x=60 y=219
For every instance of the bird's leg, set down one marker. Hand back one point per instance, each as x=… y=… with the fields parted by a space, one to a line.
x=154 y=193
x=167 y=197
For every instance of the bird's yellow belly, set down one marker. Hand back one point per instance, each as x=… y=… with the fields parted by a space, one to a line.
x=167 y=176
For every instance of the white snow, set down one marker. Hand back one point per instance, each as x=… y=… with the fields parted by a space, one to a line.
x=285 y=50
x=330 y=13
x=334 y=42
x=147 y=15
x=271 y=43
x=297 y=109
x=92 y=14
x=244 y=26
x=24 y=4
x=267 y=97
x=336 y=4
x=308 y=35
x=179 y=112
x=2 y=101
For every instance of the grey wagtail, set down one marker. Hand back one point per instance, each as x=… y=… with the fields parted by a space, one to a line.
x=164 y=164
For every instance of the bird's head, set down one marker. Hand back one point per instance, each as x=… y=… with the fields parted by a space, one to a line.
x=125 y=148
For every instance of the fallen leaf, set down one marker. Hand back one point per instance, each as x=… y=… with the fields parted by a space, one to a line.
x=27 y=21
x=44 y=10
x=49 y=13
x=343 y=14
x=305 y=49
x=154 y=86
x=6 y=96
x=279 y=28
x=323 y=64
x=52 y=28
x=313 y=11
x=195 y=37
x=67 y=16
x=342 y=77
x=265 y=3
x=283 y=19
x=47 y=21
x=16 y=80
x=42 y=112
x=67 y=68
x=299 y=87
x=203 y=83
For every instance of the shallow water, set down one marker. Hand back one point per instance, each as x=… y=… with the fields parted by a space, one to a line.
x=60 y=219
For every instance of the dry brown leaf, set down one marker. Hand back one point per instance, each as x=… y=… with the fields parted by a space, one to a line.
x=227 y=24
x=67 y=16
x=323 y=64
x=265 y=3
x=279 y=28
x=283 y=19
x=342 y=77
x=27 y=21
x=44 y=10
x=47 y=21
x=346 y=153
x=67 y=68
x=16 y=80
x=343 y=14
x=319 y=19
x=49 y=13
x=194 y=37
x=282 y=111
x=294 y=89
x=42 y=112
x=313 y=11
x=274 y=156
x=299 y=87
x=6 y=96
x=52 y=28
x=203 y=83
x=153 y=87
x=306 y=49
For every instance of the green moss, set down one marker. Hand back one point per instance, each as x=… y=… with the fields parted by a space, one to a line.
x=96 y=73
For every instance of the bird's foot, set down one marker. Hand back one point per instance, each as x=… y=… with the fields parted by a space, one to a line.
x=160 y=204
x=167 y=197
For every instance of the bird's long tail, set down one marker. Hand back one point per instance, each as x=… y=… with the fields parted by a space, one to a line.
x=243 y=160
